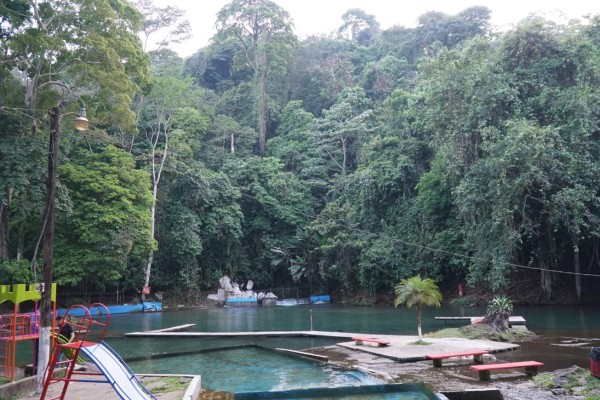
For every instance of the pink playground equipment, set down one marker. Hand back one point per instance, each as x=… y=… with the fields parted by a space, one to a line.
x=18 y=326
x=112 y=369
x=65 y=354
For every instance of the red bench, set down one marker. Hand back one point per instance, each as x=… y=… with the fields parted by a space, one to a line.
x=379 y=342
x=477 y=356
x=484 y=370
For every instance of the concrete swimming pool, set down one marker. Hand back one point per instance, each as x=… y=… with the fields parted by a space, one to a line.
x=252 y=368
x=255 y=372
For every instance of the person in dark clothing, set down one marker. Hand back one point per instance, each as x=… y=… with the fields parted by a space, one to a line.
x=66 y=330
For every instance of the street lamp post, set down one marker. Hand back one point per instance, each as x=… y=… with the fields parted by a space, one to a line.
x=81 y=124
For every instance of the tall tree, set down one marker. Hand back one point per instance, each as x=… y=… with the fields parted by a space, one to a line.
x=321 y=67
x=450 y=30
x=81 y=48
x=159 y=109
x=264 y=32
x=69 y=50
x=169 y=22
x=342 y=131
x=359 y=26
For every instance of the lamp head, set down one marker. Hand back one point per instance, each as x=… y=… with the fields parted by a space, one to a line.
x=81 y=122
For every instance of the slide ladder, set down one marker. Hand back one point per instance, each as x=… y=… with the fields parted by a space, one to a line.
x=82 y=327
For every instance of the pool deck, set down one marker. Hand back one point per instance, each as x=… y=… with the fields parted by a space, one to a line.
x=187 y=387
x=406 y=349
x=402 y=348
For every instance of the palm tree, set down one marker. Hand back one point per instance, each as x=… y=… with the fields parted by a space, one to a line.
x=416 y=291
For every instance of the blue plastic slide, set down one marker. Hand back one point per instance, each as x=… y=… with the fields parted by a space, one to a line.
x=118 y=374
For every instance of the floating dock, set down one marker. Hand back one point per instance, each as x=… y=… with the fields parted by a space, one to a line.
x=513 y=320
x=177 y=328
x=339 y=335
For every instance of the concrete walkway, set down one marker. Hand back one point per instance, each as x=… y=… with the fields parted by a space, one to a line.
x=404 y=349
x=401 y=348
x=164 y=387
x=163 y=333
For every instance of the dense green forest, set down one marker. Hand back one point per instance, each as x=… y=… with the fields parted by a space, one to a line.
x=344 y=162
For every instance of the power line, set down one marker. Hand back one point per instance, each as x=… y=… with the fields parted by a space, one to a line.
x=429 y=248
x=15 y=12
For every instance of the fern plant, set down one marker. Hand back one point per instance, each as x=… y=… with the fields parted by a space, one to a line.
x=500 y=305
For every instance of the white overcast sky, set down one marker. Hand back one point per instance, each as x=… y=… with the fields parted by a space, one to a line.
x=323 y=16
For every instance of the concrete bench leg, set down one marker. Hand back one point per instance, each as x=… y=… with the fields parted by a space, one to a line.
x=478 y=359
x=531 y=371
x=437 y=363
x=484 y=375
x=359 y=342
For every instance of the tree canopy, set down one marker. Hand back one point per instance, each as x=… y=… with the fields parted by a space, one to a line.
x=343 y=162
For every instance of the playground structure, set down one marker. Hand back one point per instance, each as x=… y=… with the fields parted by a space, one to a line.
x=18 y=326
x=110 y=365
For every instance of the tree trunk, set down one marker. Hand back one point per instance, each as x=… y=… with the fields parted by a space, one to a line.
x=577 y=268
x=419 y=322
x=545 y=282
x=545 y=261
x=20 y=241
x=262 y=111
x=156 y=175
x=498 y=321
x=344 y=154
x=4 y=220
x=152 y=228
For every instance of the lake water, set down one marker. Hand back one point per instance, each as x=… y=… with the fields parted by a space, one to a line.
x=566 y=332
x=579 y=321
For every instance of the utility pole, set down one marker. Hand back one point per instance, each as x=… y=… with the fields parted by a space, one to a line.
x=45 y=334
x=48 y=240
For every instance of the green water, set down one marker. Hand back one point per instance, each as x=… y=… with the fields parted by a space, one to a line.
x=554 y=320
x=549 y=322
x=253 y=369
x=556 y=325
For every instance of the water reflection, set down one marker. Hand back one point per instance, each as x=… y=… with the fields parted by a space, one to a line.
x=578 y=321
x=552 y=323
x=568 y=320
